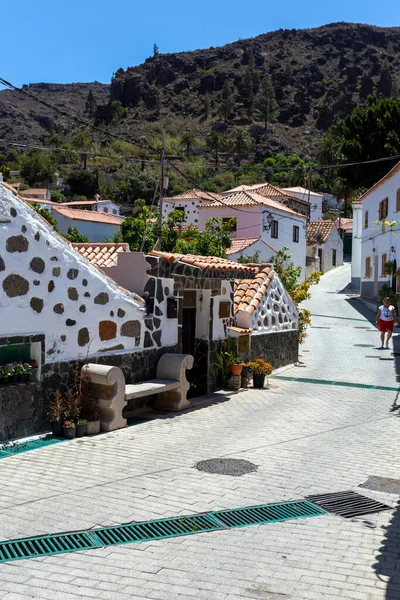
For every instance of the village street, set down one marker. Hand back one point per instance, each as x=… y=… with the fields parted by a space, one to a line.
x=305 y=438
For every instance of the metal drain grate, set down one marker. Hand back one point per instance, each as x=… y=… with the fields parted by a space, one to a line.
x=362 y=386
x=347 y=504
x=48 y=545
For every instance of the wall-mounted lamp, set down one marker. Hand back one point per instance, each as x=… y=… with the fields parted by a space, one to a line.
x=268 y=222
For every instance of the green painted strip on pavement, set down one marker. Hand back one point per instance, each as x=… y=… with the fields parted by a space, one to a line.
x=362 y=386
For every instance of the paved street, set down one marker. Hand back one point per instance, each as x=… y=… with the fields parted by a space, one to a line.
x=305 y=438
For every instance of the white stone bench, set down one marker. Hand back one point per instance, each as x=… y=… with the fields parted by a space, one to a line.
x=171 y=387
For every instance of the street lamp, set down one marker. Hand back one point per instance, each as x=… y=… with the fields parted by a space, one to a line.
x=269 y=219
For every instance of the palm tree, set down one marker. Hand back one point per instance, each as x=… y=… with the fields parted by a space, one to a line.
x=240 y=144
x=188 y=139
x=83 y=143
x=214 y=144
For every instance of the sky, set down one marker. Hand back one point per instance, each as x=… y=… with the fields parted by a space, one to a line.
x=88 y=40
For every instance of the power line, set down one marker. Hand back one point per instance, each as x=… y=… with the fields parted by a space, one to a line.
x=64 y=113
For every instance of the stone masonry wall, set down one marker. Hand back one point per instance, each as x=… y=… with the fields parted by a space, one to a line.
x=279 y=349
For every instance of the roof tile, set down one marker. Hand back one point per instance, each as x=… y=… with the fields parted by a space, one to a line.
x=318 y=232
x=87 y=215
x=101 y=254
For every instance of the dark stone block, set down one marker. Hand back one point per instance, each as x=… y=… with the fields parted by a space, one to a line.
x=73 y=293
x=54 y=258
x=101 y=298
x=157 y=311
x=121 y=313
x=160 y=291
x=148 y=342
x=107 y=330
x=84 y=282
x=56 y=271
x=37 y=304
x=70 y=322
x=83 y=336
x=13 y=212
x=17 y=243
x=131 y=329
x=51 y=286
x=37 y=236
x=87 y=294
x=63 y=338
x=59 y=309
x=111 y=313
x=72 y=273
x=150 y=287
x=157 y=323
x=2 y=265
x=113 y=348
x=15 y=285
x=149 y=324
x=82 y=308
x=23 y=228
x=37 y=265
x=157 y=337
x=36 y=282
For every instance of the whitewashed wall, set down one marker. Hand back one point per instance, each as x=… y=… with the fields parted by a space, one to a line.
x=48 y=288
x=218 y=332
x=95 y=232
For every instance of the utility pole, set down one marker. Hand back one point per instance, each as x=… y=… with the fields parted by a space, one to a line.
x=160 y=204
x=309 y=191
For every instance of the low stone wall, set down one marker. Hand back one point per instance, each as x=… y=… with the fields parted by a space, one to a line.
x=24 y=406
x=279 y=348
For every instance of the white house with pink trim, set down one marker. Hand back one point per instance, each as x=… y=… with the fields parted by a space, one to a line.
x=270 y=224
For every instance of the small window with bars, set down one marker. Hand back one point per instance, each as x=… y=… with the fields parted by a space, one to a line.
x=383 y=209
x=368 y=266
x=366 y=220
x=296 y=233
x=274 y=229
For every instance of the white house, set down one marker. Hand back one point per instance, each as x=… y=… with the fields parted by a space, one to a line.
x=37 y=194
x=380 y=242
x=313 y=198
x=267 y=190
x=98 y=227
x=357 y=233
x=189 y=202
x=263 y=219
x=324 y=247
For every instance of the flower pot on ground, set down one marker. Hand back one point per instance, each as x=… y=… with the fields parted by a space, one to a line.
x=236 y=369
x=260 y=369
x=81 y=428
x=56 y=428
x=69 y=429
x=93 y=427
x=258 y=380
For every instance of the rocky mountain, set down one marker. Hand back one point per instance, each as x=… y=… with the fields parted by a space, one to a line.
x=317 y=74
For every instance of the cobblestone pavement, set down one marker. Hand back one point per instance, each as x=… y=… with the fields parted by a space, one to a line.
x=305 y=438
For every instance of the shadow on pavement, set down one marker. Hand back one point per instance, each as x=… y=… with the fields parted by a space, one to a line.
x=361 y=308
x=387 y=558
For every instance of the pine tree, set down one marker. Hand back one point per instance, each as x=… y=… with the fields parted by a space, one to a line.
x=91 y=105
x=266 y=102
x=214 y=144
x=207 y=104
x=240 y=144
x=228 y=103
x=248 y=93
x=156 y=50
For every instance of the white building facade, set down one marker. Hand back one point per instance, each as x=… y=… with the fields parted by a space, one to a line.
x=189 y=203
x=315 y=199
x=380 y=226
x=357 y=233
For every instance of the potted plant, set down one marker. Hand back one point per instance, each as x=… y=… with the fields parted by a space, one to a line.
x=56 y=414
x=13 y=373
x=236 y=365
x=26 y=372
x=8 y=374
x=260 y=369
x=69 y=429
x=3 y=375
x=81 y=427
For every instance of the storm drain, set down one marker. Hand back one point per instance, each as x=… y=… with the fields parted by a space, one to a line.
x=347 y=504
x=61 y=543
x=362 y=386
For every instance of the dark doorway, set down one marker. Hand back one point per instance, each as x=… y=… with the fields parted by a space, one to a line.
x=320 y=259
x=333 y=258
x=189 y=345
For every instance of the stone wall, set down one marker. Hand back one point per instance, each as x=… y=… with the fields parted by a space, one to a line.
x=23 y=407
x=279 y=349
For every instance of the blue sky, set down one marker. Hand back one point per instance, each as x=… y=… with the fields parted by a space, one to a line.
x=88 y=40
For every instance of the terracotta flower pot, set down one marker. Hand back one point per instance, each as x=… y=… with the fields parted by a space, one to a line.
x=236 y=369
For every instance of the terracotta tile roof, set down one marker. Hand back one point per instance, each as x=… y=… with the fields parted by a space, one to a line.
x=241 y=244
x=263 y=189
x=242 y=330
x=392 y=172
x=251 y=199
x=101 y=255
x=87 y=215
x=249 y=292
x=194 y=194
x=318 y=232
x=35 y=191
x=212 y=263
x=38 y=200
x=345 y=224
x=303 y=191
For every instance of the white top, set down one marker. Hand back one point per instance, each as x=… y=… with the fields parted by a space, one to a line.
x=386 y=312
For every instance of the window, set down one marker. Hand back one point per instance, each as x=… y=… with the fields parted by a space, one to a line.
x=114 y=211
x=274 y=229
x=383 y=209
x=366 y=220
x=368 y=266
x=333 y=258
x=105 y=209
x=296 y=233
x=383 y=261
x=227 y=219
x=398 y=200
